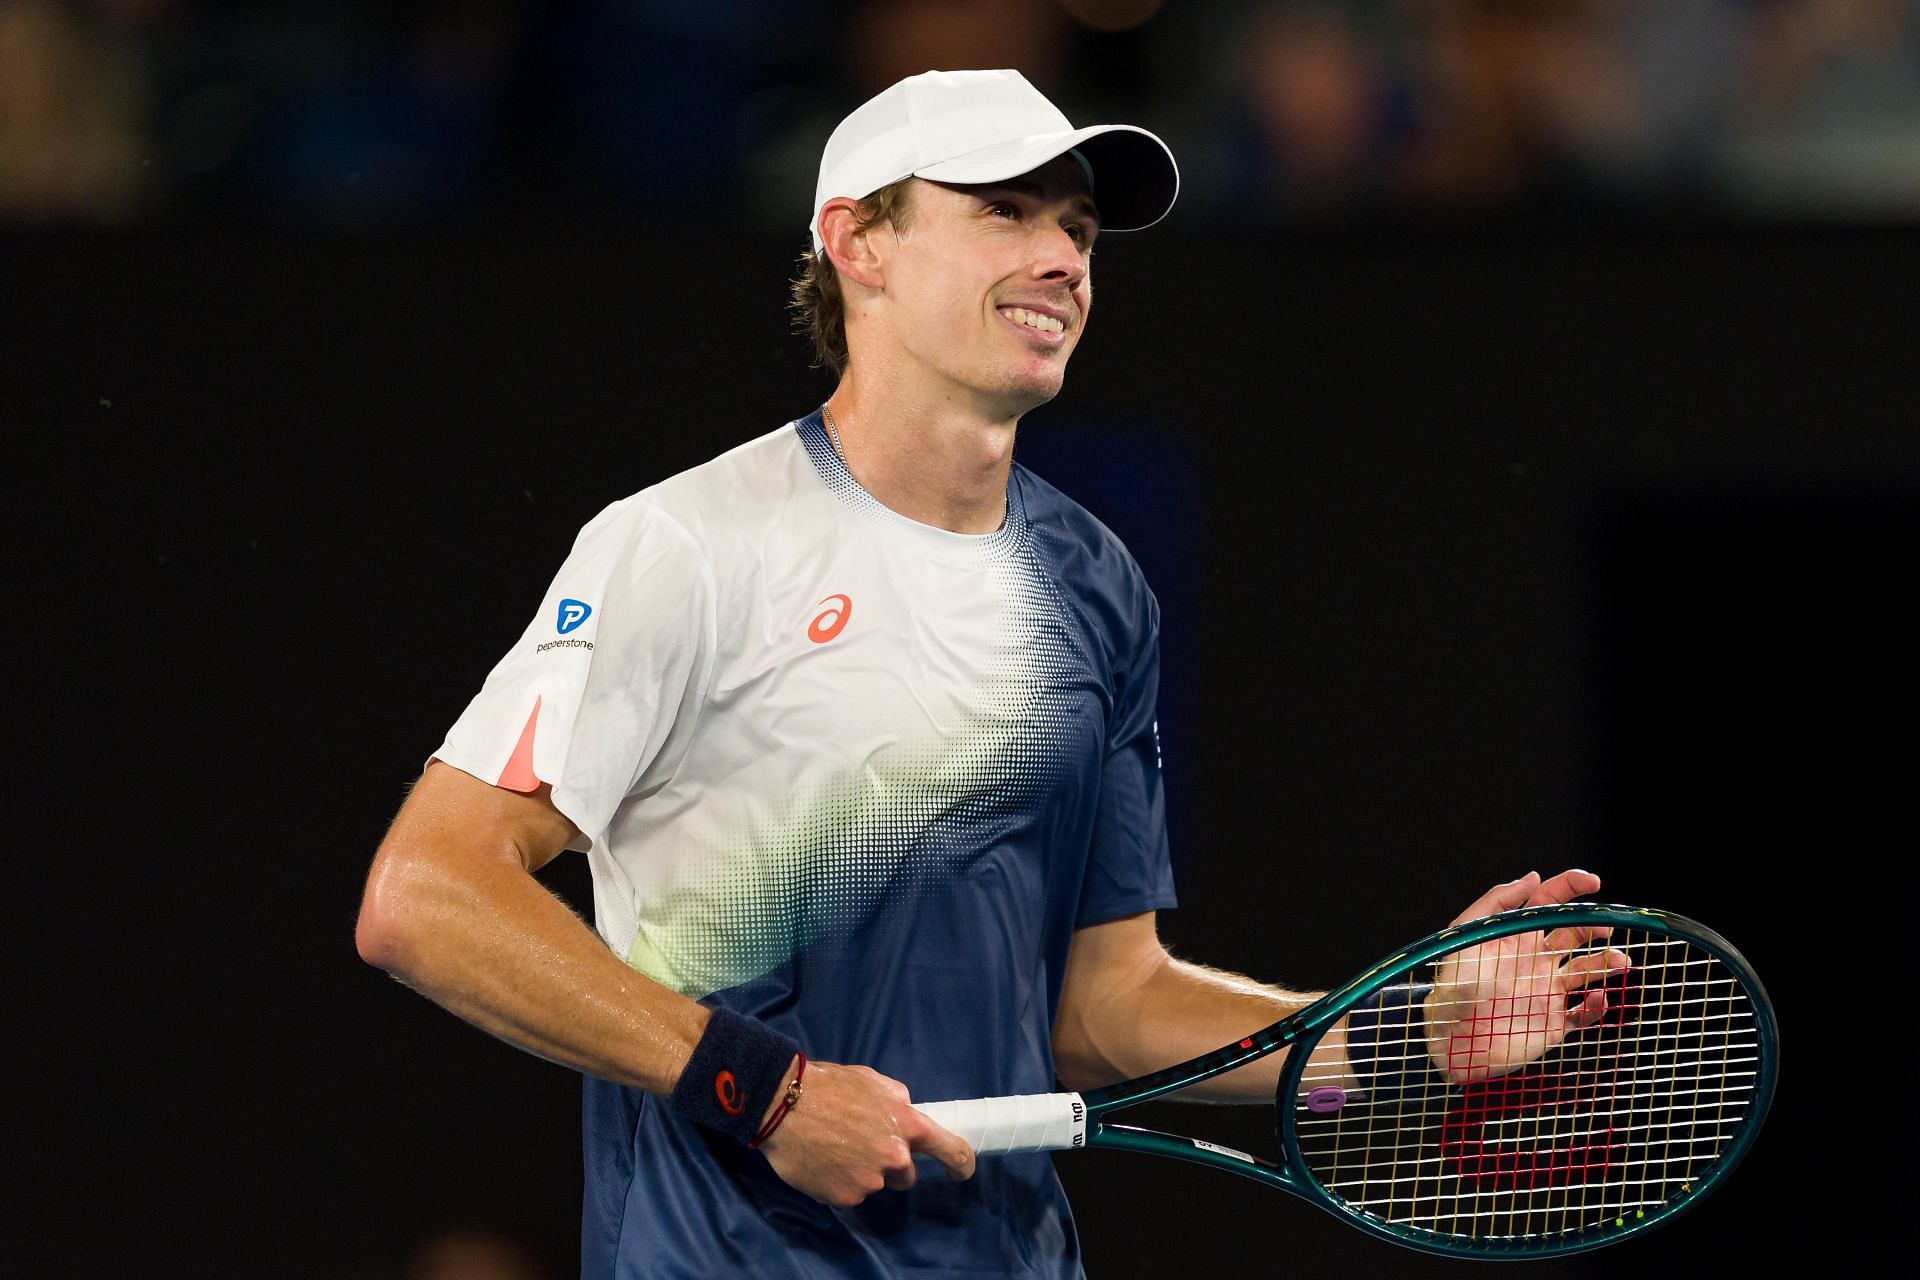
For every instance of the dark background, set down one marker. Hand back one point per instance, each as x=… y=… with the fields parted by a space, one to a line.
x=1480 y=552
x=1519 y=420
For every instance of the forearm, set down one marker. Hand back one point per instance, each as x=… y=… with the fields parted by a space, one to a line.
x=1180 y=1010
x=481 y=937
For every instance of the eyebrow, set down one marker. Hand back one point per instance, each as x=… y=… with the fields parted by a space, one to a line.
x=1084 y=206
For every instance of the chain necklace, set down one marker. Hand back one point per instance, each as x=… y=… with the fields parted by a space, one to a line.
x=833 y=432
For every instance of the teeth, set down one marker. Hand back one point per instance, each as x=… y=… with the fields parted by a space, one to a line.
x=1034 y=320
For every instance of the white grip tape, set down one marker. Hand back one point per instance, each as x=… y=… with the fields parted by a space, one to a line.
x=1028 y=1122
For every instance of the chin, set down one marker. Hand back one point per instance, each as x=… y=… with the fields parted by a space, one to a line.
x=1036 y=388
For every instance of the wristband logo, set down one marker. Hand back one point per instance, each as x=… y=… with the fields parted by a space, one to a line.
x=572 y=614
x=727 y=1090
x=829 y=622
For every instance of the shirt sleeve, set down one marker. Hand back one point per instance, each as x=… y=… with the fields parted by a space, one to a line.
x=599 y=695
x=1129 y=866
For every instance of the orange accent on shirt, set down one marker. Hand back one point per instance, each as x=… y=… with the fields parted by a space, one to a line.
x=828 y=623
x=519 y=775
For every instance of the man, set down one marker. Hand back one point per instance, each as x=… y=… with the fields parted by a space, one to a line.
x=856 y=726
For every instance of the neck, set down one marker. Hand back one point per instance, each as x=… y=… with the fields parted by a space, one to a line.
x=936 y=460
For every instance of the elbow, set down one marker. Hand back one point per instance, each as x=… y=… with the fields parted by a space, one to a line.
x=374 y=937
x=382 y=934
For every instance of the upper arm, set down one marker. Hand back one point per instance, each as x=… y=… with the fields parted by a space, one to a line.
x=453 y=829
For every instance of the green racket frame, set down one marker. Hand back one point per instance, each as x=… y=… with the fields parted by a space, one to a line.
x=1304 y=1029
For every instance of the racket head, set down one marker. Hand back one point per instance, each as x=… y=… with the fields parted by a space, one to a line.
x=1622 y=1124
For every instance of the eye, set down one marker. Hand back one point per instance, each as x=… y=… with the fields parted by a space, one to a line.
x=1000 y=207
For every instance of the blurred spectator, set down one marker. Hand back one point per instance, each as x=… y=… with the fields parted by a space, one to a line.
x=1323 y=108
x=351 y=114
x=474 y=1254
x=333 y=115
x=888 y=40
x=1519 y=92
x=73 y=124
x=1826 y=116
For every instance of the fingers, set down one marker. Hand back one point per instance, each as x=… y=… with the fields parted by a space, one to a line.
x=851 y=1136
x=1591 y=1008
x=1583 y=971
x=855 y=1132
x=1502 y=897
x=901 y=1176
x=1594 y=966
x=1563 y=941
x=1564 y=887
x=950 y=1149
x=897 y=1168
x=1531 y=891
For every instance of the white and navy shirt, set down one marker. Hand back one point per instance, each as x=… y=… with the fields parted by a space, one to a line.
x=858 y=777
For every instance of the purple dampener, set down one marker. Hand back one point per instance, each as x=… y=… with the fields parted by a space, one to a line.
x=1326 y=1098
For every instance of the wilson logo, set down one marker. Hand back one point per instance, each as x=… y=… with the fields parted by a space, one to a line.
x=728 y=1092
x=572 y=614
x=829 y=623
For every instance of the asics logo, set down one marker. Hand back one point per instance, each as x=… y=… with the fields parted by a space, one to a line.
x=728 y=1092
x=572 y=614
x=828 y=623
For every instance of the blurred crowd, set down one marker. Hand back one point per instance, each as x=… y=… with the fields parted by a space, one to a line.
x=347 y=113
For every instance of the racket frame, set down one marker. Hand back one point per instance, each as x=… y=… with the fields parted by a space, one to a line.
x=1303 y=1030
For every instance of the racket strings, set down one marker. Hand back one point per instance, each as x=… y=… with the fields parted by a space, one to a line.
x=1616 y=1112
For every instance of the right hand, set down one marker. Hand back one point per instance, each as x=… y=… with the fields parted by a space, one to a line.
x=854 y=1132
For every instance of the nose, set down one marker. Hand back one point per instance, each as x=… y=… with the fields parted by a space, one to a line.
x=1057 y=258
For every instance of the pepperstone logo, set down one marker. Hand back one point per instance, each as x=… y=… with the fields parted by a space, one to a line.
x=572 y=614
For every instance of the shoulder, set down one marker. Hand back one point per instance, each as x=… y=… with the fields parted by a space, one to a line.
x=746 y=489
x=1082 y=553
x=723 y=530
x=703 y=506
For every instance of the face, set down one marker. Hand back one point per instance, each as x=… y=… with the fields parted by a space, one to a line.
x=988 y=290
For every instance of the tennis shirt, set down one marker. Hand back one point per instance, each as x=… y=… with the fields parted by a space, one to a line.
x=855 y=776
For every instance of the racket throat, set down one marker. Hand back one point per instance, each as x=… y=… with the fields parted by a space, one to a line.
x=1193 y=1150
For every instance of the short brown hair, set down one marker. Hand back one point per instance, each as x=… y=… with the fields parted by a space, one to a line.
x=819 y=308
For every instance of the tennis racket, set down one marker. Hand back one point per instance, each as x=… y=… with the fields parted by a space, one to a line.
x=1541 y=1081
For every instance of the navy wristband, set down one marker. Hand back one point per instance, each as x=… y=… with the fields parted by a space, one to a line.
x=733 y=1075
x=1385 y=1048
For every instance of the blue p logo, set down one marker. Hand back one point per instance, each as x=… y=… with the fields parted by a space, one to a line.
x=572 y=614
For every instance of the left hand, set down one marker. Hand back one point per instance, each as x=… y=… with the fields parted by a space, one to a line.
x=1500 y=1005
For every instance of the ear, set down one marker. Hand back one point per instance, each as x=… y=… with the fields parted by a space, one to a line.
x=849 y=249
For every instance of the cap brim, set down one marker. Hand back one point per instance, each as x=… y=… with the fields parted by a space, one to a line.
x=1135 y=179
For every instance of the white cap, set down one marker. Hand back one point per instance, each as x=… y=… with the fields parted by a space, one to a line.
x=983 y=126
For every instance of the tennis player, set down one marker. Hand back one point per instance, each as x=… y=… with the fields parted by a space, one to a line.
x=856 y=727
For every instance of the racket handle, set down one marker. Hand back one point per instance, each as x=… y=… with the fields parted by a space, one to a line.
x=1027 y=1122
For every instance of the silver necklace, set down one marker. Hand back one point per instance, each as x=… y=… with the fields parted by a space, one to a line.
x=833 y=432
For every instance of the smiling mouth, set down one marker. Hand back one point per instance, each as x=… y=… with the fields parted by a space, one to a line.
x=1041 y=326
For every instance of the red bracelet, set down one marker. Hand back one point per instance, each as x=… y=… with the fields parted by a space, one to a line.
x=787 y=1103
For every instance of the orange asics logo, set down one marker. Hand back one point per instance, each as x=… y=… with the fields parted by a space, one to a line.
x=728 y=1092
x=828 y=623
